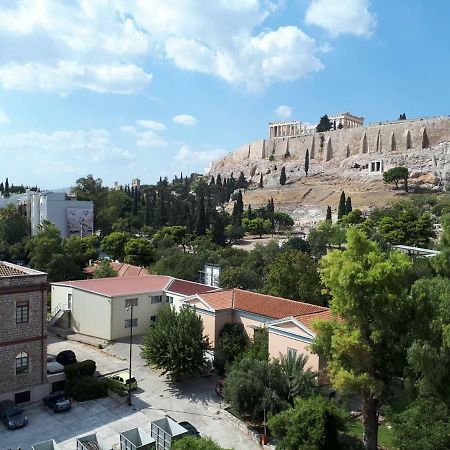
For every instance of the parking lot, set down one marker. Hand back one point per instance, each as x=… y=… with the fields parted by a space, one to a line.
x=193 y=400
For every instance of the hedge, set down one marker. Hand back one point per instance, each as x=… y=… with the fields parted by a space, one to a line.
x=80 y=369
x=86 y=388
x=116 y=386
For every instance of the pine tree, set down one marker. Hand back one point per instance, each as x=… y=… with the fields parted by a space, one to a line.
x=324 y=124
x=219 y=180
x=6 y=193
x=249 y=212
x=328 y=217
x=261 y=183
x=348 y=205
x=307 y=162
x=2 y=188
x=283 y=176
x=201 y=217
x=342 y=209
x=218 y=230
x=241 y=182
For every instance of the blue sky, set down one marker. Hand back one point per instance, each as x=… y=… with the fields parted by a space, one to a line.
x=143 y=88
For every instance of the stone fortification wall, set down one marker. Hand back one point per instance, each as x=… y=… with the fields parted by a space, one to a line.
x=400 y=136
x=419 y=144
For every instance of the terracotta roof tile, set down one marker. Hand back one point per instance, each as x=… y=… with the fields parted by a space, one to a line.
x=270 y=306
x=117 y=286
x=308 y=319
x=122 y=269
x=219 y=300
x=184 y=287
x=7 y=270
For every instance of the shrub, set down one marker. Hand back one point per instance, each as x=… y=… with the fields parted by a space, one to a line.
x=86 y=388
x=80 y=369
x=116 y=386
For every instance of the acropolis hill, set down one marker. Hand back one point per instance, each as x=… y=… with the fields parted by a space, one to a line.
x=352 y=157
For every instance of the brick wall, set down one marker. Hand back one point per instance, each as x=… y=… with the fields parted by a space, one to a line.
x=30 y=337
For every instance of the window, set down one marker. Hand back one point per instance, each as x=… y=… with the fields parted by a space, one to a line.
x=169 y=300
x=22 y=397
x=22 y=312
x=69 y=301
x=128 y=323
x=131 y=301
x=291 y=352
x=157 y=298
x=22 y=363
x=152 y=320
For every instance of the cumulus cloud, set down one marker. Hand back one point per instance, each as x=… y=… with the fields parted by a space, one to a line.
x=151 y=125
x=150 y=139
x=343 y=17
x=4 y=119
x=185 y=119
x=104 y=45
x=188 y=156
x=283 y=111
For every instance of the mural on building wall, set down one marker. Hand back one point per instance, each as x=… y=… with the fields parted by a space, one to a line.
x=80 y=221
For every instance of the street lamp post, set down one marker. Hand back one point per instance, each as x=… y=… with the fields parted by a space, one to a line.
x=130 y=308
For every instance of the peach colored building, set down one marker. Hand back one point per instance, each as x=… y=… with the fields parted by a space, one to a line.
x=288 y=322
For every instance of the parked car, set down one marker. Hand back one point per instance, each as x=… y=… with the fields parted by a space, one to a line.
x=66 y=357
x=219 y=386
x=54 y=367
x=12 y=415
x=123 y=378
x=57 y=402
x=192 y=431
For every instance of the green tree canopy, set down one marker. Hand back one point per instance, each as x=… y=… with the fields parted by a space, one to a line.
x=366 y=349
x=104 y=270
x=232 y=341
x=342 y=208
x=139 y=251
x=195 y=443
x=175 y=342
x=396 y=175
x=324 y=124
x=239 y=277
x=13 y=225
x=257 y=226
x=294 y=275
x=283 y=176
x=114 y=244
x=312 y=423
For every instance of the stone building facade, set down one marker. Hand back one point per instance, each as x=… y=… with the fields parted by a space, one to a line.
x=23 y=333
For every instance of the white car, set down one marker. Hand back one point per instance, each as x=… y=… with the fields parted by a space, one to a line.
x=54 y=367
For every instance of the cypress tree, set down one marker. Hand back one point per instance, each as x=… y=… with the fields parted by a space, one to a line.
x=6 y=193
x=241 y=182
x=218 y=230
x=147 y=210
x=328 y=217
x=261 y=184
x=342 y=209
x=348 y=205
x=283 y=176
x=240 y=203
x=135 y=201
x=212 y=182
x=2 y=188
x=307 y=162
x=201 y=217
x=219 y=180
x=249 y=212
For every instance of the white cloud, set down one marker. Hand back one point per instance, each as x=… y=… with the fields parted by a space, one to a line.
x=185 y=119
x=104 y=45
x=93 y=145
x=283 y=111
x=151 y=125
x=343 y=17
x=150 y=139
x=49 y=45
x=188 y=156
x=4 y=119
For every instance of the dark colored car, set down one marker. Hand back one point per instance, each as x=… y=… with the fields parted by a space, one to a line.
x=192 y=431
x=66 y=357
x=219 y=387
x=57 y=402
x=12 y=415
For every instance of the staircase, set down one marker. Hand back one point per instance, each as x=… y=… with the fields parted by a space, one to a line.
x=57 y=313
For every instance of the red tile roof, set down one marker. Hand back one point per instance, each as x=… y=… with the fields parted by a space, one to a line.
x=122 y=269
x=219 y=300
x=308 y=319
x=184 y=287
x=112 y=287
x=270 y=306
x=263 y=305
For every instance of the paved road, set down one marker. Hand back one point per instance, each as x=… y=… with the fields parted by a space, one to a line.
x=193 y=400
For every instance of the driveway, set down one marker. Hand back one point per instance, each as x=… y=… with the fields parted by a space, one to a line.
x=193 y=400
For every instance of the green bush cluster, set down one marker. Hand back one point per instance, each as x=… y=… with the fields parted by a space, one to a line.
x=116 y=386
x=80 y=369
x=86 y=388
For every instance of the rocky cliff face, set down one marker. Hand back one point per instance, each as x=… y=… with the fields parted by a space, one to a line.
x=429 y=167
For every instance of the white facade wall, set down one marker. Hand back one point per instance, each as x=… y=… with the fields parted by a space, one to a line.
x=52 y=206
x=60 y=297
x=143 y=312
x=177 y=299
